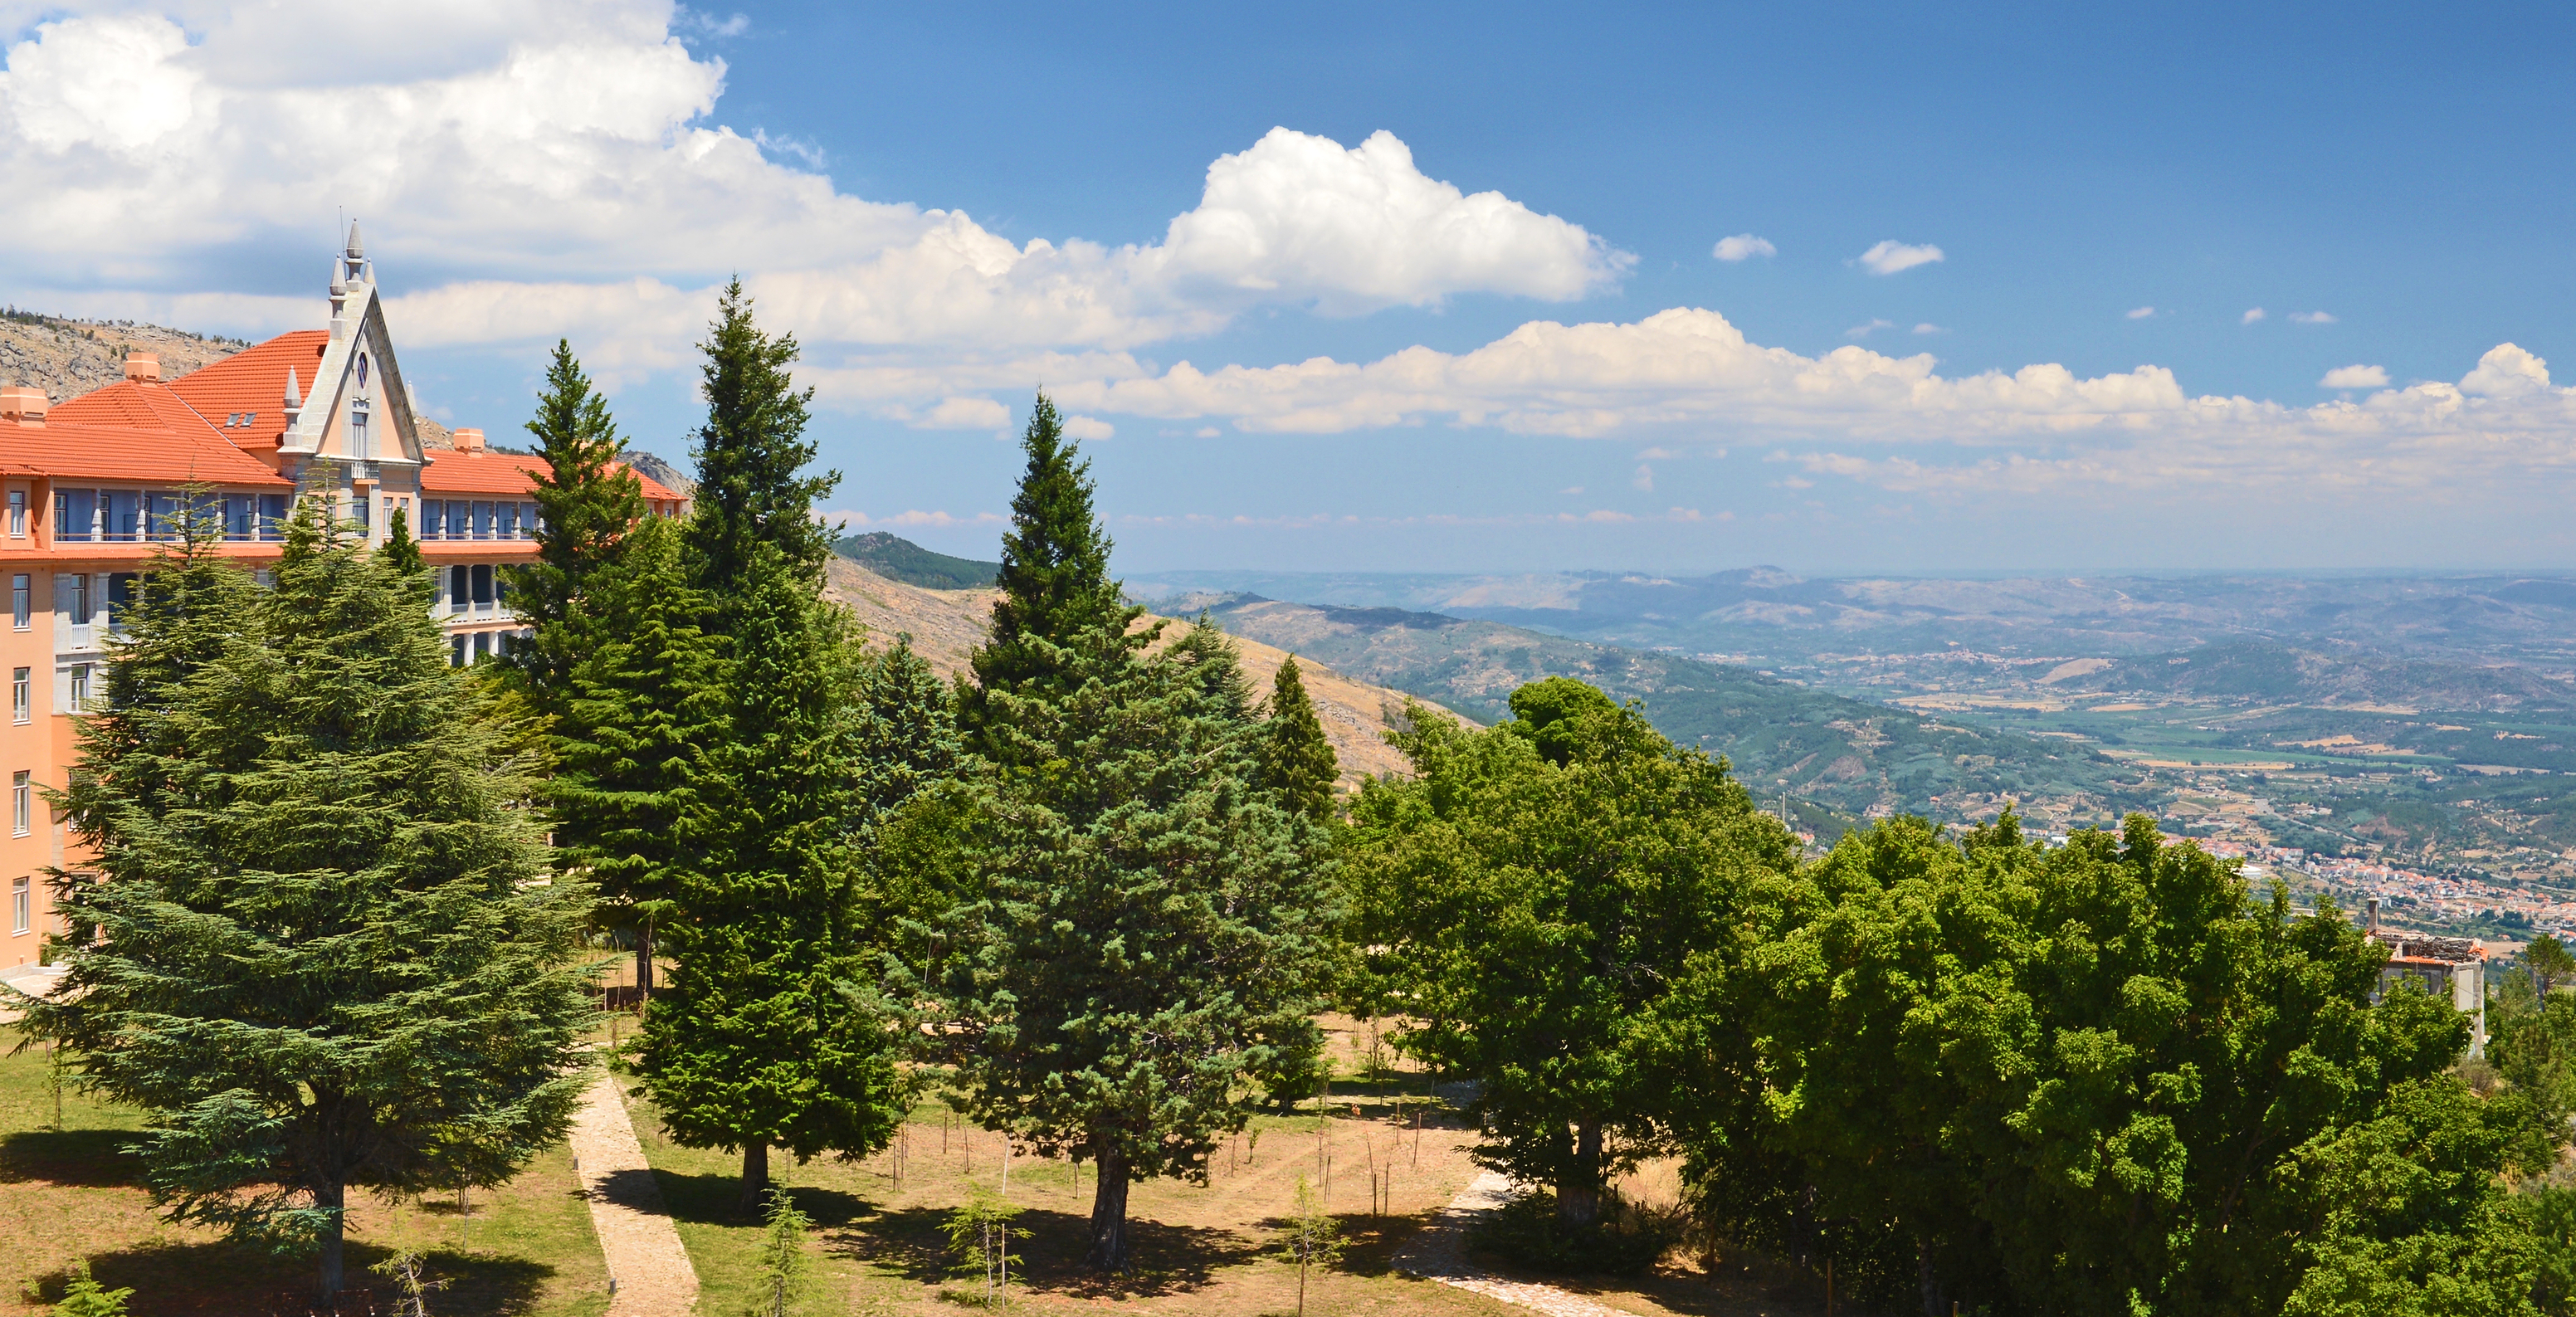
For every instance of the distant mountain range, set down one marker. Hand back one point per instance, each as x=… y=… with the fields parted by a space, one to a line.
x=2325 y=676
x=1764 y=614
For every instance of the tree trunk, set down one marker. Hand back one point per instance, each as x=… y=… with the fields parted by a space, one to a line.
x=1108 y=1213
x=755 y=1177
x=1924 y=1277
x=644 y=962
x=1578 y=1191
x=330 y=1200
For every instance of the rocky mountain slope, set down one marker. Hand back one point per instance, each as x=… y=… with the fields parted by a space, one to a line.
x=67 y=358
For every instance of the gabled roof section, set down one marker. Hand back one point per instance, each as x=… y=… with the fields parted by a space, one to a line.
x=357 y=367
x=252 y=383
x=150 y=455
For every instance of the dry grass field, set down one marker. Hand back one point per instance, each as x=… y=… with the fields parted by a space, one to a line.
x=526 y=1250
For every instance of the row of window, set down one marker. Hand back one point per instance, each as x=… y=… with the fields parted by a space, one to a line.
x=469 y=587
x=127 y=515
x=480 y=645
x=87 y=516
x=460 y=519
x=463 y=588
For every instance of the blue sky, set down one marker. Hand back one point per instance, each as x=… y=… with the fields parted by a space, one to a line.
x=2108 y=190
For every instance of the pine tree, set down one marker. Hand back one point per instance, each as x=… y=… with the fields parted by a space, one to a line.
x=907 y=727
x=587 y=502
x=314 y=944
x=1296 y=760
x=401 y=551
x=771 y=1032
x=1054 y=580
x=1145 y=932
x=645 y=705
x=749 y=453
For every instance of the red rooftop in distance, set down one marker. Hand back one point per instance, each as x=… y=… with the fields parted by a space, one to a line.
x=92 y=486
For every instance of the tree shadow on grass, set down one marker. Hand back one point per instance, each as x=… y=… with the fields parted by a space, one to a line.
x=89 y=1159
x=1168 y=1259
x=201 y=1280
x=717 y=1199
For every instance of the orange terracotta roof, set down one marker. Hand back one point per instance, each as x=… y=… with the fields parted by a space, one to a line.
x=253 y=382
x=76 y=451
x=490 y=472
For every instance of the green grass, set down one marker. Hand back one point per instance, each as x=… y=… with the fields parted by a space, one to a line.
x=523 y=1250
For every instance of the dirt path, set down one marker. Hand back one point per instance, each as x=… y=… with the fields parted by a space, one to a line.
x=647 y=1268
x=1440 y=1253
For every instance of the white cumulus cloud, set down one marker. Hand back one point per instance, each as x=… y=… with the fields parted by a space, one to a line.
x=2251 y=315
x=2311 y=318
x=2141 y=313
x=1086 y=428
x=1891 y=256
x=2355 y=377
x=1743 y=246
x=564 y=159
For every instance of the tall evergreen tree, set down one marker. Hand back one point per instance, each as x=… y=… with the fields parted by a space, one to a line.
x=314 y=943
x=587 y=501
x=646 y=704
x=1054 y=581
x=1145 y=930
x=749 y=453
x=1296 y=760
x=771 y=1033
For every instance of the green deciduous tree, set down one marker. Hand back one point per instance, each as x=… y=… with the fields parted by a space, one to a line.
x=1055 y=583
x=318 y=942
x=771 y=1032
x=1143 y=924
x=1540 y=891
x=645 y=704
x=587 y=503
x=1296 y=760
x=750 y=454
x=2102 y=1079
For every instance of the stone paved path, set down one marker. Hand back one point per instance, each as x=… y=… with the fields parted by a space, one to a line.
x=1440 y=1253
x=645 y=1261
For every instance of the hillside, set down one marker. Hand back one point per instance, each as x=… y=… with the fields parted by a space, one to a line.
x=67 y=358
x=898 y=559
x=1850 y=755
x=946 y=624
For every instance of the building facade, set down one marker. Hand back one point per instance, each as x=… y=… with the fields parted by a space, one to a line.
x=2452 y=969
x=93 y=487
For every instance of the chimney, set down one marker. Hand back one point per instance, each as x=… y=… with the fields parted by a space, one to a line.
x=468 y=439
x=2373 y=905
x=143 y=367
x=22 y=404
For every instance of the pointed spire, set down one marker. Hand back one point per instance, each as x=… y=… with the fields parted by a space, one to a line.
x=294 y=395
x=356 y=248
